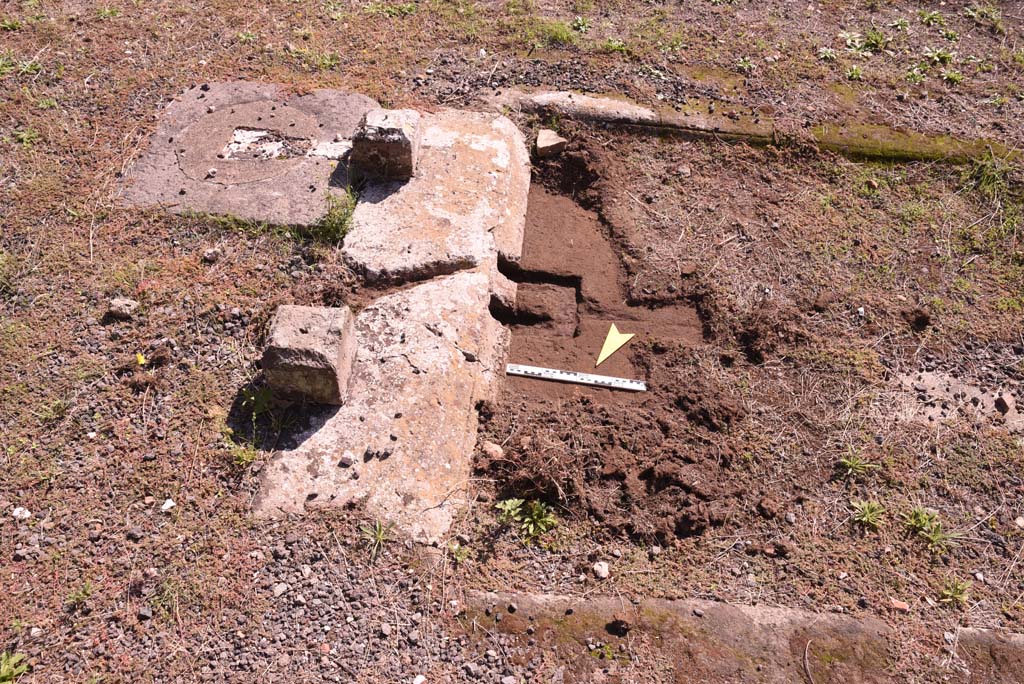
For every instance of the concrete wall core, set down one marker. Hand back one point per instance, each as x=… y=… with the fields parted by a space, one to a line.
x=426 y=355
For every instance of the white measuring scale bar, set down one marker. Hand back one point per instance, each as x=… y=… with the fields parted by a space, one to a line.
x=577 y=378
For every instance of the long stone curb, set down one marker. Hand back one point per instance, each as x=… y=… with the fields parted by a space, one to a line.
x=855 y=140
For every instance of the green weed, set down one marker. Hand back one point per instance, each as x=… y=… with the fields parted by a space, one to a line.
x=990 y=176
x=931 y=18
x=335 y=224
x=553 y=33
x=580 y=24
x=404 y=9
x=855 y=73
x=854 y=465
x=952 y=76
x=12 y=666
x=247 y=37
x=901 y=25
x=533 y=517
x=955 y=592
x=613 y=46
x=868 y=514
x=9 y=24
x=376 y=535
x=745 y=65
x=108 y=12
x=826 y=54
x=938 y=55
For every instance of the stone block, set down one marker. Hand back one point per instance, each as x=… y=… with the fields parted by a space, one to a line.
x=549 y=143
x=386 y=144
x=309 y=353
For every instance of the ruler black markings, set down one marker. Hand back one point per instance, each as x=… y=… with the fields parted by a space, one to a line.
x=577 y=378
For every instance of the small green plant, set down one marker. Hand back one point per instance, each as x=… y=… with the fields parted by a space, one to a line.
x=855 y=73
x=242 y=455
x=826 y=54
x=931 y=18
x=108 y=12
x=613 y=46
x=918 y=519
x=955 y=592
x=533 y=517
x=938 y=540
x=509 y=510
x=12 y=666
x=868 y=514
x=335 y=224
x=46 y=103
x=9 y=24
x=8 y=275
x=950 y=35
x=938 y=55
x=901 y=25
x=256 y=402
x=7 y=64
x=853 y=465
x=580 y=24
x=404 y=9
x=555 y=33
x=376 y=535
x=874 y=41
x=989 y=175
x=952 y=76
x=29 y=67
x=986 y=15
x=247 y=37
x=916 y=75
x=536 y=519
x=79 y=596
x=460 y=554
x=745 y=65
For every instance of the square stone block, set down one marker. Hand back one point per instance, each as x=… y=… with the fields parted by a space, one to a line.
x=309 y=353
x=386 y=144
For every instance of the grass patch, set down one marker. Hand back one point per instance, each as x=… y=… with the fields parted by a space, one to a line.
x=868 y=514
x=551 y=33
x=12 y=666
x=335 y=224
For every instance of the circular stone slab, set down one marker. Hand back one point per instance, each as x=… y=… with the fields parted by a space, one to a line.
x=202 y=143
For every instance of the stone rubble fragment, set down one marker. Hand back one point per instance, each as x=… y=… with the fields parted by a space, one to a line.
x=549 y=143
x=386 y=144
x=309 y=353
x=122 y=308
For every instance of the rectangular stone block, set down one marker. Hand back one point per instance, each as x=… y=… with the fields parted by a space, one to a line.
x=309 y=353
x=386 y=144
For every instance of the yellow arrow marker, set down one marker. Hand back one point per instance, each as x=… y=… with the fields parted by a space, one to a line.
x=613 y=343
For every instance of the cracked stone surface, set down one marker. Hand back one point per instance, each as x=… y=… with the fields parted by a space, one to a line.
x=403 y=440
x=465 y=205
x=201 y=159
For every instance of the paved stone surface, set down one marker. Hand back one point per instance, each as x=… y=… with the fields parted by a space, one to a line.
x=250 y=150
x=687 y=640
x=309 y=353
x=466 y=204
x=403 y=440
x=387 y=143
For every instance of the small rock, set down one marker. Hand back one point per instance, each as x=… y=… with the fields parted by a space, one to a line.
x=901 y=606
x=385 y=629
x=212 y=255
x=135 y=534
x=549 y=143
x=698 y=612
x=419 y=679
x=21 y=513
x=35 y=632
x=1019 y=522
x=492 y=451
x=472 y=669
x=509 y=679
x=122 y=308
x=280 y=588
x=791 y=517
x=168 y=505
x=654 y=551
x=145 y=613
x=949 y=637
x=601 y=570
x=684 y=170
